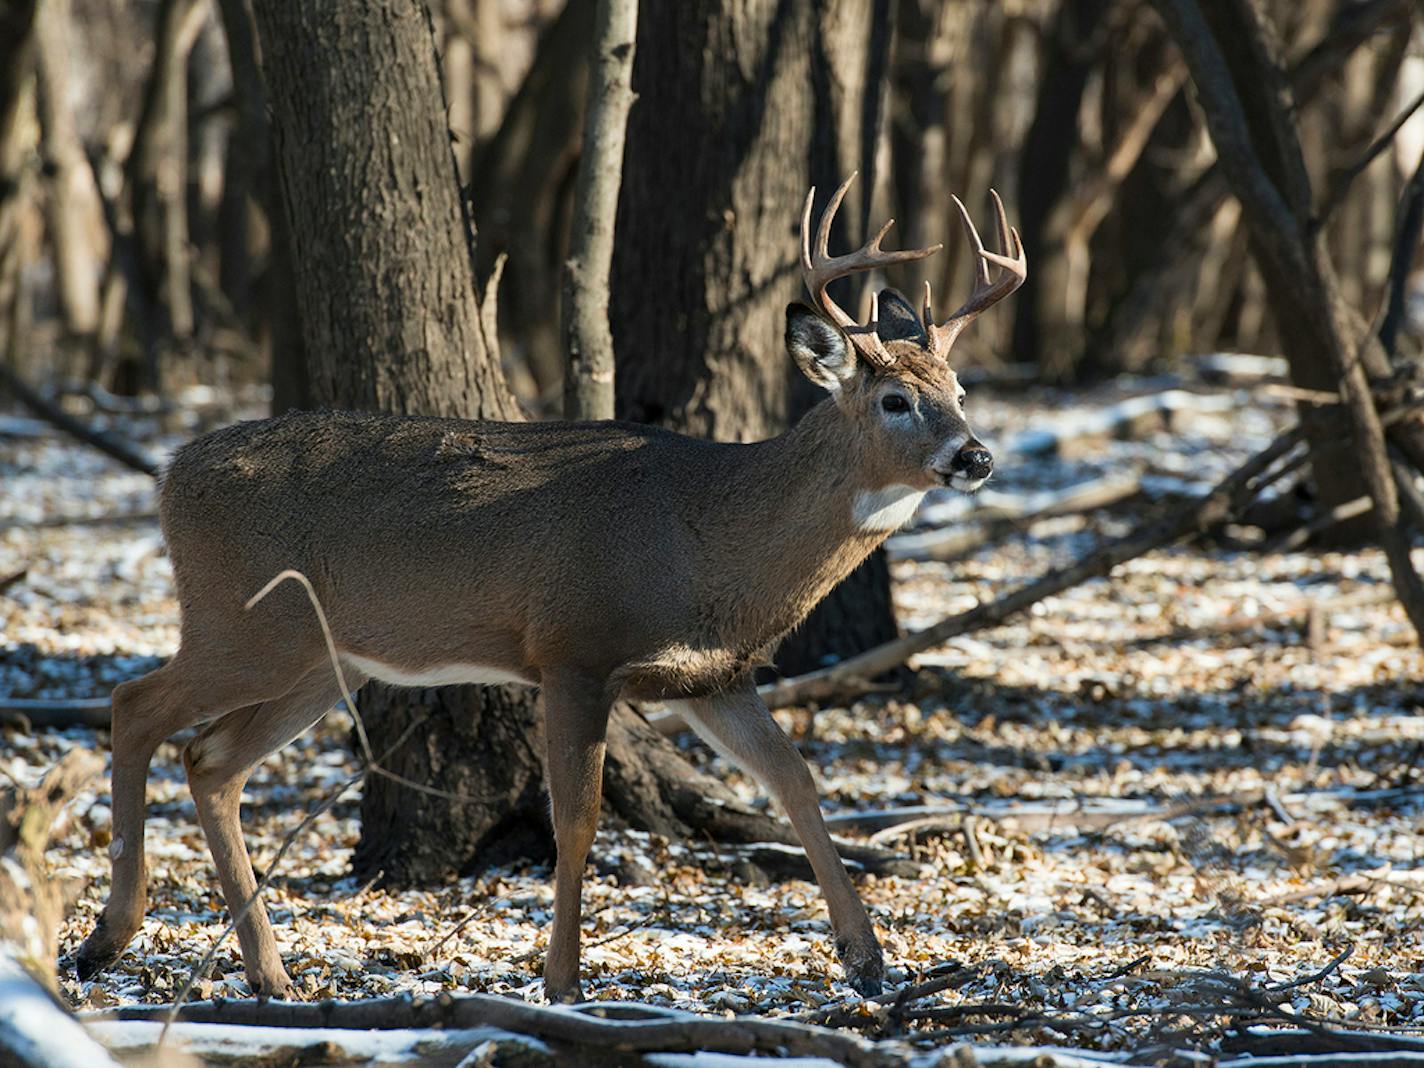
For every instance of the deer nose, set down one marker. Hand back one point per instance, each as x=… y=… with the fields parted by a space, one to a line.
x=973 y=460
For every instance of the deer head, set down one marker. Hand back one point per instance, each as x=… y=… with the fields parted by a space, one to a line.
x=892 y=373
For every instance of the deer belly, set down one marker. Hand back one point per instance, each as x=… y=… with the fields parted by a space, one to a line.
x=434 y=674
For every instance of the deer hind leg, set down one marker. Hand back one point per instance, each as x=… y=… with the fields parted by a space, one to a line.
x=147 y=711
x=576 y=707
x=738 y=725
x=219 y=762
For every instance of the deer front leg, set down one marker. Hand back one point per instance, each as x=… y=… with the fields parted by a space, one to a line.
x=575 y=725
x=738 y=725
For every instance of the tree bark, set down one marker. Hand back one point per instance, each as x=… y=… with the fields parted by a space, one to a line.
x=17 y=49
x=588 y=383
x=744 y=104
x=1039 y=311
x=391 y=319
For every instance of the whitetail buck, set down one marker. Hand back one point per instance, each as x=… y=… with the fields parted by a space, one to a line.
x=590 y=559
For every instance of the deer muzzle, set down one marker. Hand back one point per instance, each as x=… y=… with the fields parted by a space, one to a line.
x=972 y=463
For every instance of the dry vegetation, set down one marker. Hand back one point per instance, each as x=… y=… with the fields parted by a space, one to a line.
x=1150 y=815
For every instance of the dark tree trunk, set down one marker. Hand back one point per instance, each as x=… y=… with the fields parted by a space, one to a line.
x=389 y=312
x=1251 y=52
x=1053 y=138
x=743 y=104
x=523 y=178
x=251 y=182
x=386 y=292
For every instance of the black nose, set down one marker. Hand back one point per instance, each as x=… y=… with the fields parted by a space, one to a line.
x=974 y=460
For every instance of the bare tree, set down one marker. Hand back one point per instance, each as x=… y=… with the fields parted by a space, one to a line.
x=588 y=385
x=1235 y=62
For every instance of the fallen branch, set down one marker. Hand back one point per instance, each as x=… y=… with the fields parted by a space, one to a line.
x=36 y=1031
x=52 y=521
x=256 y=1045
x=1032 y=817
x=1131 y=418
x=107 y=443
x=669 y=1031
x=57 y=715
x=1302 y=535
x=1020 y=511
x=1295 y=616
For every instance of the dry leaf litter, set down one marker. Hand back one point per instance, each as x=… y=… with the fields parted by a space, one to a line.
x=1109 y=692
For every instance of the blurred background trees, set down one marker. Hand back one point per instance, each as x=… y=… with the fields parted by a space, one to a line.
x=139 y=247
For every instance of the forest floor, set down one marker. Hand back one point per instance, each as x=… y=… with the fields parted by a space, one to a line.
x=1136 y=932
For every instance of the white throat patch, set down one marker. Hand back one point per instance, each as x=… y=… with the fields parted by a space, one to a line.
x=886 y=509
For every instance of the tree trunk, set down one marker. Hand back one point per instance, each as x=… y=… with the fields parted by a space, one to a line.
x=1234 y=59
x=743 y=105
x=588 y=381
x=391 y=320
x=523 y=178
x=1041 y=325
x=251 y=185
x=74 y=217
x=386 y=293
x=17 y=135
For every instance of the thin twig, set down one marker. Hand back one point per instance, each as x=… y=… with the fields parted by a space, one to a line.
x=1340 y=188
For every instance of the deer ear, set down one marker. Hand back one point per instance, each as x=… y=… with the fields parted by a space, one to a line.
x=818 y=347
x=898 y=319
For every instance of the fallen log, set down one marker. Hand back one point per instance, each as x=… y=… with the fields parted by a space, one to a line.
x=36 y=1031
x=595 y=1026
x=57 y=715
x=265 y=1045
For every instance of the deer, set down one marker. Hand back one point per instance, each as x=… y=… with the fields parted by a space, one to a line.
x=596 y=561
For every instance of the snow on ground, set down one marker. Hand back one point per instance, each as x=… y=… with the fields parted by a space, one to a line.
x=1089 y=695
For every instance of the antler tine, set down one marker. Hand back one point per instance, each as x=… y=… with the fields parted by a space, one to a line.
x=823 y=232
x=981 y=269
x=1002 y=222
x=987 y=292
x=819 y=269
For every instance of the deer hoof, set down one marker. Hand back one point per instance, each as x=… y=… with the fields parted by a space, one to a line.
x=274 y=988
x=570 y=994
x=88 y=963
x=864 y=965
x=99 y=951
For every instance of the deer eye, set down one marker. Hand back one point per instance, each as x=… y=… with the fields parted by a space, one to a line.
x=962 y=398
x=893 y=402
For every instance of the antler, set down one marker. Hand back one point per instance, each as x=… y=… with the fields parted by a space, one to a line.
x=819 y=269
x=986 y=291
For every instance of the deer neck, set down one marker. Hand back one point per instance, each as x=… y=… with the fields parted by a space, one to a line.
x=815 y=509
